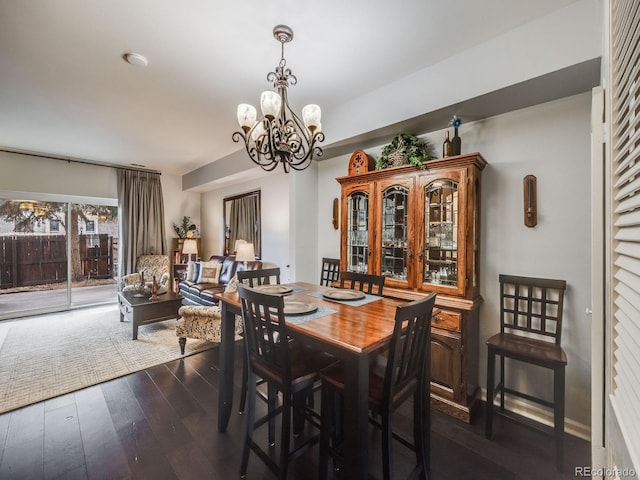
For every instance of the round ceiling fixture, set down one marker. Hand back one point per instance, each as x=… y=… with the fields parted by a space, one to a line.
x=135 y=59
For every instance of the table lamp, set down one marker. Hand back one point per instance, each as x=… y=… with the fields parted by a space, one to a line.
x=245 y=253
x=190 y=247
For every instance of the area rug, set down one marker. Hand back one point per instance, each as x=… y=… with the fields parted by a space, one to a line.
x=46 y=356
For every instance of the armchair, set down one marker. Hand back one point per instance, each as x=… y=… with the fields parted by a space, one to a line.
x=150 y=265
x=201 y=322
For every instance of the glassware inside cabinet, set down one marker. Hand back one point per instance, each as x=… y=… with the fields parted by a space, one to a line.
x=395 y=206
x=441 y=233
x=358 y=228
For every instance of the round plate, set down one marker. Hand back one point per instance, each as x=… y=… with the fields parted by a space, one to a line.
x=299 y=308
x=275 y=289
x=343 y=294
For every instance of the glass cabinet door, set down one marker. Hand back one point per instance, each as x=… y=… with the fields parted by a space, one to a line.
x=358 y=232
x=441 y=233
x=394 y=233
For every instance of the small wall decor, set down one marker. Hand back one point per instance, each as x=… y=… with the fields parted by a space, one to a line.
x=360 y=162
x=336 y=214
x=530 y=201
x=404 y=149
x=456 y=141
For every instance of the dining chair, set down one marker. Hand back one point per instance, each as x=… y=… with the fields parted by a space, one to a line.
x=330 y=271
x=406 y=376
x=286 y=367
x=252 y=278
x=367 y=283
x=261 y=276
x=530 y=331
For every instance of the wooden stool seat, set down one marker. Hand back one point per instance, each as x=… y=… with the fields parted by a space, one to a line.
x=529 y=350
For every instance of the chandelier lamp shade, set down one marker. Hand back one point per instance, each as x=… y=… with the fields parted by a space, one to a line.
x=280 y=136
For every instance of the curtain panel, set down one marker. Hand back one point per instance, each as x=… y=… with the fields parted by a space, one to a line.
x=245 y=221
x=141 y=217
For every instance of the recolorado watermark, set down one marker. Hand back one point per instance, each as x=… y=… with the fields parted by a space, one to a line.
x=604 y=472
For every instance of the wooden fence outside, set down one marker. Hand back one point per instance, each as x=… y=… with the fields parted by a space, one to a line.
x=29 y=260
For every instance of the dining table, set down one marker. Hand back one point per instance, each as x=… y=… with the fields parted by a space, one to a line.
x=351 y=329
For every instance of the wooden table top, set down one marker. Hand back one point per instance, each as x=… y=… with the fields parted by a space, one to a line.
x=132 y=298
x=359 y=329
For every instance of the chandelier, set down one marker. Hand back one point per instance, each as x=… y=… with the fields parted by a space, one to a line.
x=280 y=136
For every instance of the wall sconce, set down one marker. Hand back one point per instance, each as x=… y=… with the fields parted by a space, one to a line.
x=530 y=201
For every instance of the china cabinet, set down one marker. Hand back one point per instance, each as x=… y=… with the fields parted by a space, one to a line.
x=420 y=228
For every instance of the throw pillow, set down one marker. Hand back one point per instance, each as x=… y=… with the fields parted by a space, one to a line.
x=232 y=286
x=191 y=265
x=196 y=271
x=209 y=272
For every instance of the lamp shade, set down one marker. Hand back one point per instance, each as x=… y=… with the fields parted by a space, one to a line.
x=245 y=253
x=190 y=246
x=270 y=103
x=238 y=243
x=246 y=115
x=311 y=115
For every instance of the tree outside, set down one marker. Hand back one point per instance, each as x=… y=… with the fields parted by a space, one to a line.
x=33 y=217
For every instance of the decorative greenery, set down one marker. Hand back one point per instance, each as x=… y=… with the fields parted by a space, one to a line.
x=414 y=151
x=182 y=229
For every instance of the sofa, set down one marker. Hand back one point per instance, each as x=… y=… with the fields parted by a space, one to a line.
x=194 y=293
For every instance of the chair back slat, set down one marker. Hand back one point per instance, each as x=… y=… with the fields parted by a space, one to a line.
x=372 y=284
x=410 y=350
x=532 y=305
x=330 y=271
x=265 y=333
x=262 y=276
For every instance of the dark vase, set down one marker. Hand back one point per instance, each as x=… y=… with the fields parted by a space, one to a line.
x=456 y=143
x=447 y=148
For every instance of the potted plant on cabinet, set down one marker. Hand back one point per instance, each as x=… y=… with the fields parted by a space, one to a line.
x=404 y=149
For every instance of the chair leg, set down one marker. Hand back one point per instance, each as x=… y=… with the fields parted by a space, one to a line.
x=250 y=419
x=182 y=341
x=387 y=438
x=491 y=372
x=501 y=383
x=326 y=427
x=272 y=395
x=285 y=433
x=421 y=431
x=558 y=415
x=300 y=401
x=243 y=390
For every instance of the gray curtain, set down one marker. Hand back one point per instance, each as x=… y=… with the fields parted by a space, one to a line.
x=141 y=217
x=244 y=221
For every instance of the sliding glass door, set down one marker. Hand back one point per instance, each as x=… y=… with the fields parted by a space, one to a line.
x=55 y=255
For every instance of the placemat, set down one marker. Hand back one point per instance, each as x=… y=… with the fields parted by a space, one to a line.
x=298 y=319
x=368 y=298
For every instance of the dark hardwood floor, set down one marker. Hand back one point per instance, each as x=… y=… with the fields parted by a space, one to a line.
x=160 y=423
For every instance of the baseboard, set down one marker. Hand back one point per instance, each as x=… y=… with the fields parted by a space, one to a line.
x=541 y=414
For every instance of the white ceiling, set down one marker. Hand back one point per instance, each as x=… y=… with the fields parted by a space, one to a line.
x=65 y=90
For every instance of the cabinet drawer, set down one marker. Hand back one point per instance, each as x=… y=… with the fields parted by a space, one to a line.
x=446 y=320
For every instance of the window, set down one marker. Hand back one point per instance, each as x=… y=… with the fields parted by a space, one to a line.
x=625 y=158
